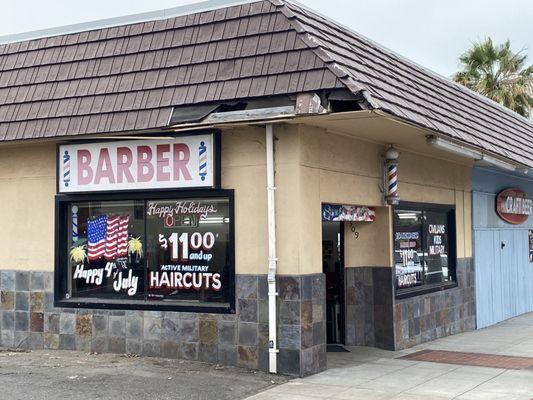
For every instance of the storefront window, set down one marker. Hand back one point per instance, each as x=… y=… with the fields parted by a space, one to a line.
x=101 y=255
x=147 y=251
x=424 y=253
x=188 y=250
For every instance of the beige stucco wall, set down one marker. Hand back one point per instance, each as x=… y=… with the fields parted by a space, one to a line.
x=372 y=247
x=27 y=189
x=347 y=170
x=244 y=170
x=312 y=166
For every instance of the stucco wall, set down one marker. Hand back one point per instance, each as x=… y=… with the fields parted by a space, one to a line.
x=341 y=169
x=244 y=169
x=372 y=247
x=27 y=188
x=312 y=166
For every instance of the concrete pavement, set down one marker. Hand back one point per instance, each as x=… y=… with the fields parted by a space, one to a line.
x=368 y=373
x=363 y=373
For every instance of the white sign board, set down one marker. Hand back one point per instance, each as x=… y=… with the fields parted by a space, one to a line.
x=183 y=162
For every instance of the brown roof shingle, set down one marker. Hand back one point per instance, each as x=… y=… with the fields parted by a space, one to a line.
x=129 y=77
x=412 y=93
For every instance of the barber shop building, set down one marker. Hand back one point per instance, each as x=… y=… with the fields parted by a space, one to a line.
x=249 y=185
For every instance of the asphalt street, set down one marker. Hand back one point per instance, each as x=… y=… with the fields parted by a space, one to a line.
x=72 y=375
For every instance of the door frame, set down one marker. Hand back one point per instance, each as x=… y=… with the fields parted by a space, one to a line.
x=342 y=273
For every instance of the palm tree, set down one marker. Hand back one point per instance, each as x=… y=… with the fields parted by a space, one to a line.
x=498 y=73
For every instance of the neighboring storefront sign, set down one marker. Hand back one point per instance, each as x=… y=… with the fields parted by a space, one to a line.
x=514 y=206
x=181 y=162
x=531 y=245
x=337 y=212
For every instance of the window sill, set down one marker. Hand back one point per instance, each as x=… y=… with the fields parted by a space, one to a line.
x=108 y=304
x=426 y=289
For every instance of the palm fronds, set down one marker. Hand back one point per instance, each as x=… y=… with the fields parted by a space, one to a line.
x=500 y=74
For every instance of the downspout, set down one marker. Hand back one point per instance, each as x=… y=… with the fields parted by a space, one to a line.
x=272 y=260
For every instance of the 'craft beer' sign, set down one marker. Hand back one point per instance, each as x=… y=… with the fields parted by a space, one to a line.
x=182 y=162
x=513 y=206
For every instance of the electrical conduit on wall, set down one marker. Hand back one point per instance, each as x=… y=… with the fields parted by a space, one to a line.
x=272 y=260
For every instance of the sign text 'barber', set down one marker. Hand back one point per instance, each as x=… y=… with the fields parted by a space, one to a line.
x=181 y=162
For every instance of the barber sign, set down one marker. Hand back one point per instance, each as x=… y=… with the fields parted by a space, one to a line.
x=181 y=162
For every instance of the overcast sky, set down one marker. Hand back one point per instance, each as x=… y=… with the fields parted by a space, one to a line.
x=431 y=32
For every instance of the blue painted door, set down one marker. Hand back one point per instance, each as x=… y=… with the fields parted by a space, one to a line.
x=504 y=275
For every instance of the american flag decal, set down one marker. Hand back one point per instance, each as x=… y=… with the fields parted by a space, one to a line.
x=107 y=237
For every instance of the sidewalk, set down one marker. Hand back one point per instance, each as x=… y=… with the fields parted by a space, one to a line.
x=368 y=373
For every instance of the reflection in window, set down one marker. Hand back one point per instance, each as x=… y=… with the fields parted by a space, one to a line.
x=422 y=247
x=408 y=248
x=188 y=250
x=175 y=251
x=105 y=256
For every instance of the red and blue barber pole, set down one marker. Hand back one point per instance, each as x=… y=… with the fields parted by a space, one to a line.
x=392 y=195
x=202 y=164
x=66 y=168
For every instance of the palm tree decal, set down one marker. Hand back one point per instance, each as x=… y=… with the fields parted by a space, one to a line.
x=135 y=247
x=499 y=74
x=78 y=254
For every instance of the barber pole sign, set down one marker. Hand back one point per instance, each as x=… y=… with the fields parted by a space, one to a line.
x=391 y=182
x=392 y=178
x=183 y=162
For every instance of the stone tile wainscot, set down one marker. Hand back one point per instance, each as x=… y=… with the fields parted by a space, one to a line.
x=375 y=318
x=29 y=320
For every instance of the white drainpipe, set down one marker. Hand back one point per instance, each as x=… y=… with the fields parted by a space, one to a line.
x=272 y=260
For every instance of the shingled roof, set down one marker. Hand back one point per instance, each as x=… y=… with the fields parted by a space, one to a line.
x=128 y=78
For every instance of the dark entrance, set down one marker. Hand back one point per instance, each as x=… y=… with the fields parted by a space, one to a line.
x=333 y=268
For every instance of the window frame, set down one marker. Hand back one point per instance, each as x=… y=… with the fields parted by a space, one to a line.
x=62 y=201
x=450 y=211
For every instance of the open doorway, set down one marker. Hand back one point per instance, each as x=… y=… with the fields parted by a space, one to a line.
x=333 y=268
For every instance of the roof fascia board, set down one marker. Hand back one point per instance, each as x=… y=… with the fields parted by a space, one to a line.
x=484 y=153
